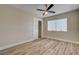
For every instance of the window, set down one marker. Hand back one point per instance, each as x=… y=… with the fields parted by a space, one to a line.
x=57 y=25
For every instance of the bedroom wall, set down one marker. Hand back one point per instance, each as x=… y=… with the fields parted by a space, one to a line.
x=35 y=27
x=72 y=23
x=16 y=26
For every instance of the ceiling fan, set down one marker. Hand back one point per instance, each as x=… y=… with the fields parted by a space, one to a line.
x=47 y=9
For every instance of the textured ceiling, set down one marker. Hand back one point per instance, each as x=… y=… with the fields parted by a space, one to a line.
x=58 y=8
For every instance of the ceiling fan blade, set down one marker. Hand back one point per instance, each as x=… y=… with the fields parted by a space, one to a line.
x=50 y=7
x=40 y=10
x=52 y=11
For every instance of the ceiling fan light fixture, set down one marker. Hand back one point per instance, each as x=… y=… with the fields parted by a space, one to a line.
x=46 y=13
x=47 y=10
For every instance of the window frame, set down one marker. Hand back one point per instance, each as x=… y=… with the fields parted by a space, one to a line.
x=56 y=26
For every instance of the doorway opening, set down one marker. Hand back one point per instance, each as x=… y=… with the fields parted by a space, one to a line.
x=39 y=29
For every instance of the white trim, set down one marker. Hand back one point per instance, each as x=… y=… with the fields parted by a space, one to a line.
x=12 y=45
x=61 y=39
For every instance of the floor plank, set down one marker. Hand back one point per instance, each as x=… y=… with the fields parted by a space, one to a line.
x=43 y=47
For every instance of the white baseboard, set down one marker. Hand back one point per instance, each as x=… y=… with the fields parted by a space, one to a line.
x=12 y=45
x=62 y=40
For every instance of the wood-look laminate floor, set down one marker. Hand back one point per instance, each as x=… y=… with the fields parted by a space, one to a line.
x=43 y=47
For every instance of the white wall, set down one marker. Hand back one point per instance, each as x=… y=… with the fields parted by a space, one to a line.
x=35 y=27
x=15 y=26
x=72 y=23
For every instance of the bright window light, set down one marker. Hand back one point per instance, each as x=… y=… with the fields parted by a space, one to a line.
x=57 y=25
